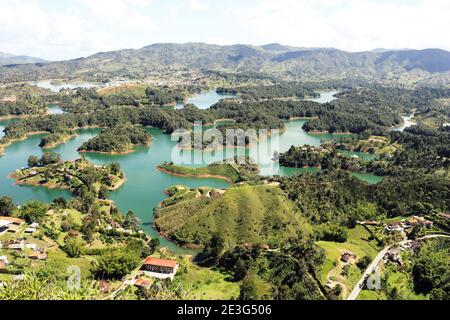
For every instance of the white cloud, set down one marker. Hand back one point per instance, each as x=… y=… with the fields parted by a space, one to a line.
x=198 y=5
x=348 y=24
x=83 y=28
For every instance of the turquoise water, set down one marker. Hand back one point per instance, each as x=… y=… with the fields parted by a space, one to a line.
x=204 y=100
x=144 y=188
x=54 y=109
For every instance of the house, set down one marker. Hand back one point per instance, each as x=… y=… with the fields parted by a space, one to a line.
x=143 y=283
x=30 y=230
x=160 y=268
x=346 y=256
x=13 y=228
x=11 y=220
x=17 y=246
x=32 y=246
x=394 y=227
x=394 y=257
x=34 y=225
x=38 y=255
x=4 y=225
x=420 y=221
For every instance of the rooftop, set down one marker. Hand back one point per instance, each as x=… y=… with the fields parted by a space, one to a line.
x=160 y=262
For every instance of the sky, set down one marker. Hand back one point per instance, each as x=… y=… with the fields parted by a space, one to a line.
x=66 y=29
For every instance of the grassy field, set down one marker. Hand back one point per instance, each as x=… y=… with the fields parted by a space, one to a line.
x=393 y=279
x=225 y=171
x=205 y=284
x=359 y=243
x=249 y=213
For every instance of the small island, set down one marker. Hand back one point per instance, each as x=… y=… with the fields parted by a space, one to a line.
x=51 y=171
x=118 y=140
x=232 y=171
x=55 y=138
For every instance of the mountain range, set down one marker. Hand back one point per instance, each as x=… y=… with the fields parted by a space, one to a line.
x=274 y=59
x=8 y=59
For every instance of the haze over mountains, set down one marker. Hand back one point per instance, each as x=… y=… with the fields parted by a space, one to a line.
x=7 y=58
x=274 y=59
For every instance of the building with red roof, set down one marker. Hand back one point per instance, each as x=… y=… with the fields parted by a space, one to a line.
x=160 y=268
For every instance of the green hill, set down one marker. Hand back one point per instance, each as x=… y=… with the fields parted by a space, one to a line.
x=242 y=214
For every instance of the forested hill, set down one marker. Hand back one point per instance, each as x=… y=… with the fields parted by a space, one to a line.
x=272 y=59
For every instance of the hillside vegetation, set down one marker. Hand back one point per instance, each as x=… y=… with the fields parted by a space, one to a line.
x=243 y=214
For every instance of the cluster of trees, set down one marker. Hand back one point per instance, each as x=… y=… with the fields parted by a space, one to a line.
x=117 y=139
x=336 y=197
x=46 y=159
x=54 y=138
x=289 y=273
x=431 y=269
x=161 y=97
x=22 y=108
x=277 y=90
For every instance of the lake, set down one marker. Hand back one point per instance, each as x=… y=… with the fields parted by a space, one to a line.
x=204 y=100
x=144 y=187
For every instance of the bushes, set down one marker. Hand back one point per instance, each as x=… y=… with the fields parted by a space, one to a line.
x=364 y=262
x=115 y=264
x=331 y=232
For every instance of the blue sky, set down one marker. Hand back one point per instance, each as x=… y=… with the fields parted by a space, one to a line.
x=73 y=28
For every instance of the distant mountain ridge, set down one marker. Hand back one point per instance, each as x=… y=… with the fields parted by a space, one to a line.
x=7 y=59
x=274 y=59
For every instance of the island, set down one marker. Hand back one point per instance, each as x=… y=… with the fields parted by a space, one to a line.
x=231 y=171
x=51 y=171
x=55 y=138
x=118 y=140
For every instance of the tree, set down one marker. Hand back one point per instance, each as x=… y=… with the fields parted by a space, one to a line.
x=7 y=206
x=114 y=264
x=50 y=158
x=364 y=262
x=33 y=161
x=131 y=221
x=154 y=244
x=103 y=192
x=115 y=168
x=73 y=247
x=139 y=247
x=248 y=289
x=33 y=211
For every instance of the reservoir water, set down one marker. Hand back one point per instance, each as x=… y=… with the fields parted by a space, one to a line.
x=204 y=100
x=144 y=187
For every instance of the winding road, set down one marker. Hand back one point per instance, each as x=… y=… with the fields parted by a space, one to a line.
x=371 y=268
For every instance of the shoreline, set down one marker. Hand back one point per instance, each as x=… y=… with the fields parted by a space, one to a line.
x=57 y=143
x=117 y=153
x=200 y=176
x=173 y=239
x=10 y=142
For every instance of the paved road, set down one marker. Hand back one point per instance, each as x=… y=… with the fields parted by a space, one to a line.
x=357 y=289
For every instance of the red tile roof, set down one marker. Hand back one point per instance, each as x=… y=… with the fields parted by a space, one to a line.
x=160 y=262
